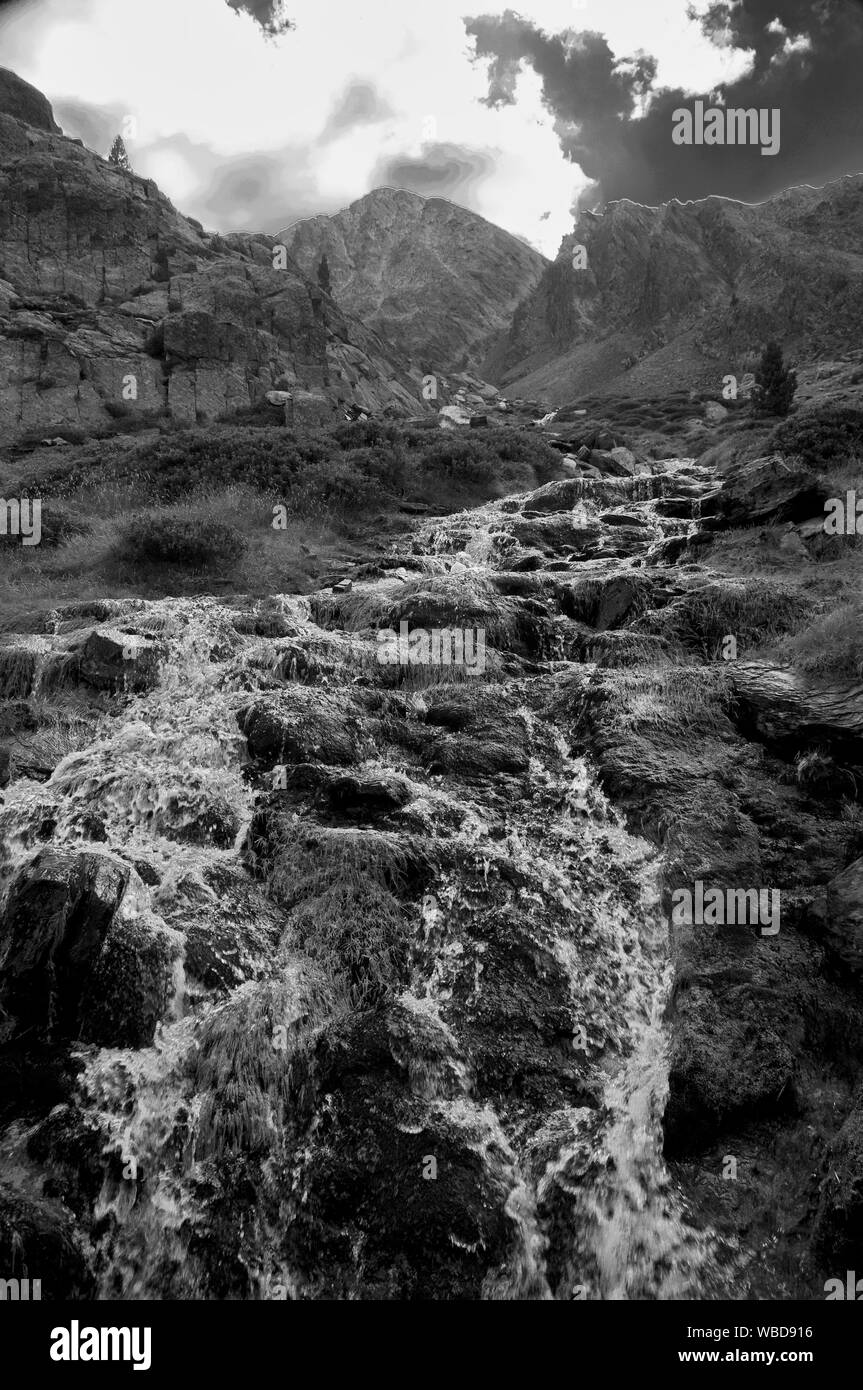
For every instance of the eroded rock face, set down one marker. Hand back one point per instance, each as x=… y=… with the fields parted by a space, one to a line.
x=111 y=300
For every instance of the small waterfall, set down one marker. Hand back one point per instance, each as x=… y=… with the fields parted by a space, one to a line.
x=571 y=955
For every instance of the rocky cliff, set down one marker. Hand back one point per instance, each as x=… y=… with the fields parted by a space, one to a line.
x=682 y=294
x=437 y=281
x=111 y=301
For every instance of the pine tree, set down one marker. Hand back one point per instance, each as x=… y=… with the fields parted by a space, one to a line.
x=324 y=275
x=775 y=383
x=118 y=154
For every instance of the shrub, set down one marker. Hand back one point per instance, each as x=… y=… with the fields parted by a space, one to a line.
x=60 y=525
x=179 y=463
x=56 y=526
x=510 y=457
x=385 y=466
x=361 y=434
x=518 y=446
x=172 y=540
x=334 y=484
x=775 y=384
x=822 y=436
x=456 y=460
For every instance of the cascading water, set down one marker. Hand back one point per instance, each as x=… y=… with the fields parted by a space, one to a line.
x=538 y=948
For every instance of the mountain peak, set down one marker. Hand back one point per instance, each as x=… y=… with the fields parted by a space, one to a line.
x=434 y=278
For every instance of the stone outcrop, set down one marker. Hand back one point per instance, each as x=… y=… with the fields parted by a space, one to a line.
x=111 y=302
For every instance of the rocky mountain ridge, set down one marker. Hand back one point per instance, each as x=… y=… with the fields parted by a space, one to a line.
x=437 y=281
x=683 y=294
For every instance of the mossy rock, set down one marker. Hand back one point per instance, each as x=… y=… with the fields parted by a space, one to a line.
x=129 y=989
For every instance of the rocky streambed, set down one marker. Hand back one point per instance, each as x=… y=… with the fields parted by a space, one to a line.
x=328 y=978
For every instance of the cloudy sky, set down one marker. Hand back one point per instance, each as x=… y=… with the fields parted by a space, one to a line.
x=248 y=123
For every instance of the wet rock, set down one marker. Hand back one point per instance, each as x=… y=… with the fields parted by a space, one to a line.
x=38 y=1240
x=114 y=660
x=604 y=601
x=478 y=756
x=130 y=985
x=554 y=533
x=623 y=519
x=681 y=507
x=60 y=908
x=741 y=1009
x=530 y=561
x=301 y=725
x=519 y=584
x=368 y=793
x=559 y=496
x=204 y=818
x=666 y=552
x=789 y=709
x=22 y=656
x=443 y=1235
x=769 y=489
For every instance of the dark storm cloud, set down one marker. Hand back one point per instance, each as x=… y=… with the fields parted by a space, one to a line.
x=359 y=104
x=443 y=170
x=612 y=119
x=269 y=14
